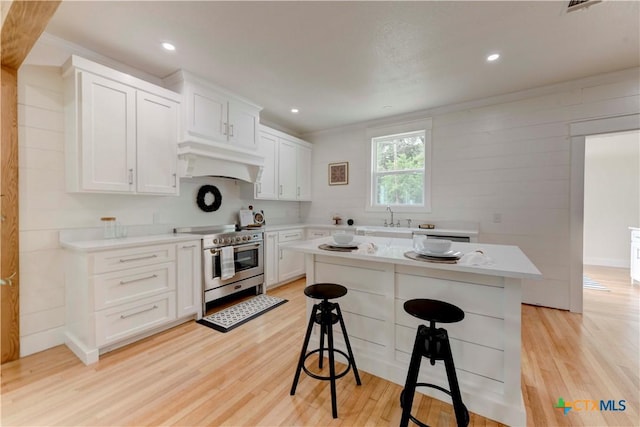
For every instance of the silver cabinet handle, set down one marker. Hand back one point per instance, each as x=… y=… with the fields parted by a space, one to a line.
x=126 y=282
x=139 y=258
x=124 y=316
x=298 y=191
x=189 y=247
x=292 y=235
x=280 y=253
x=175 y=180
x=281 y=189
x=226 y=128
x=8 y=280
x=259 y=188
x=130 y=176
x=231 y=133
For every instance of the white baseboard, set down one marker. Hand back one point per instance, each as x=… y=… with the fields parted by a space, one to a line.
x=35 y=343
x=607 y=262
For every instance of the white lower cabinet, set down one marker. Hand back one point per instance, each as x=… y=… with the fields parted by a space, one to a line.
x=118 y=296
x=189 y=278
x=271 y=256
x=282 y=266
x=290 y=263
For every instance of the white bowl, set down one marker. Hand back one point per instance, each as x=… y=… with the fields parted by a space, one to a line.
x=437 y=246
x=343 y=238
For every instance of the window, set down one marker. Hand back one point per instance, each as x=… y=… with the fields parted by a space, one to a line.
x=400 y=168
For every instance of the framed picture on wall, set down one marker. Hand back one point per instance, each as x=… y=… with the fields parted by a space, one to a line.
x=339 y=173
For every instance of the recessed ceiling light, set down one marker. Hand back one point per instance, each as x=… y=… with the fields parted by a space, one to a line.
x=493 y=57
x=168 y=46
x=295 y=110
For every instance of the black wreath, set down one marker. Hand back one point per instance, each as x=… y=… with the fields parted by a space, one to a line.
x=217 y=198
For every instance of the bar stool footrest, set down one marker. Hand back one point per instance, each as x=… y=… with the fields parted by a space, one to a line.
x=327 y=378
x=437 y=387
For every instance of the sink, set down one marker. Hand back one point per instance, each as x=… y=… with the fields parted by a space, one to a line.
x=398 y=232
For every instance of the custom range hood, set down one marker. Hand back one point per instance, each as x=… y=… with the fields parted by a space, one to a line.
x=210 y=159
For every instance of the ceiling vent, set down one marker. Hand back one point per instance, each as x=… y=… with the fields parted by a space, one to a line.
x=580 y=4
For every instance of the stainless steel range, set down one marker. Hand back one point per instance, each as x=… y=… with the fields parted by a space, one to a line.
x=247 y=260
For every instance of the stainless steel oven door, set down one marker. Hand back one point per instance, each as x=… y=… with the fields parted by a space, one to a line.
x=247 y=259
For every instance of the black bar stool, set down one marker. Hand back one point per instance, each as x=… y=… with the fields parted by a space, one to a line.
x=433 y=343
x=323 y=315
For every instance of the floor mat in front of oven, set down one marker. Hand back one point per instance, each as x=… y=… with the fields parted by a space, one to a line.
x=234 y=316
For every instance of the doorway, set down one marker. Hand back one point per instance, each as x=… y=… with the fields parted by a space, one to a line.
x=580 y=133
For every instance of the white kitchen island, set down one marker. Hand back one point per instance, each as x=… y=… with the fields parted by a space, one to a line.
x=485 y=345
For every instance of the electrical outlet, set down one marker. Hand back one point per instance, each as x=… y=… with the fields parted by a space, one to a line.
x=497 y=218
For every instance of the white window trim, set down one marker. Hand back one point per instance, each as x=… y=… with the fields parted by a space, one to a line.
x=393 y=129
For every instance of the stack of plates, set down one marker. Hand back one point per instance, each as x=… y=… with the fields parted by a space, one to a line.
x=444 y=256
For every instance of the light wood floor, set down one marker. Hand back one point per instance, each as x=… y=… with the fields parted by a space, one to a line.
x=194 y=376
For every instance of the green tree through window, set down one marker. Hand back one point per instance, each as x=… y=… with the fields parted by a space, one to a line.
x=399 y=169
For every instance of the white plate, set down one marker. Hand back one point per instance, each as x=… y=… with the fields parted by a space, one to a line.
x=448 y=254
x=343 y=245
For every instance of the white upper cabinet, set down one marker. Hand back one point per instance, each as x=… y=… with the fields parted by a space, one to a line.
x=157 y=133
x=287 y=167
x=287 y=170
x=120 y=132
x=303 y=175
x=214 y=114
x=267 y=187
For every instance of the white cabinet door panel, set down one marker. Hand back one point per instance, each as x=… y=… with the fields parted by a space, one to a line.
x=304 y=173
x=208 y=114
x=108 y=134
x=189 y=278
x=287 y=171
x=267 y=188
x=243 y=124
x=157 y=134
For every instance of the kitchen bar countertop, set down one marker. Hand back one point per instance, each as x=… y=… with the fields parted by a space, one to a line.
x=507 y=261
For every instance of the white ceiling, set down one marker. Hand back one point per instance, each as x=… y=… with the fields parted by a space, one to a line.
x=343 y=62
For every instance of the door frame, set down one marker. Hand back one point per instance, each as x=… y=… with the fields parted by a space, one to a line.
x=578 y=132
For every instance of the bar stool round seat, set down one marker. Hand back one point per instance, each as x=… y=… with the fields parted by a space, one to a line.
x=432 y=343
x=326 y=314
x=433 y=310
x=325 y=291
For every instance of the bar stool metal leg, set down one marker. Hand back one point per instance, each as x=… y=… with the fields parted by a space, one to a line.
x=462 y=415
x=303 y=352
x=332 y=365
x=346 y=340
x=407 y=395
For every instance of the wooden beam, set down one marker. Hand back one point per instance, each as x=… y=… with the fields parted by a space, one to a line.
x=9 y=249
x=25 y=22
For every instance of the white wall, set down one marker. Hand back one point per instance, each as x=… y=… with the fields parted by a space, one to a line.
x=508 y=155
x=611 y=197
x=45 y=207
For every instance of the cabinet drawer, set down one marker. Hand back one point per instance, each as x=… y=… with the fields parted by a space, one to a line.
x=117 y=323
x=290 y=235
x=104 y=262
x=316 y=234
x=635 y=236
x=128 y=285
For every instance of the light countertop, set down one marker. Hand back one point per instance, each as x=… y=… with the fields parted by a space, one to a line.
x=125 y=242
x=507 y=261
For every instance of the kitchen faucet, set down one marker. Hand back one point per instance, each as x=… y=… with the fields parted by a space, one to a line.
x=391 y=212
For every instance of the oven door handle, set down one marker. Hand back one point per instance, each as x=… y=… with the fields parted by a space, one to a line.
x=248 y=245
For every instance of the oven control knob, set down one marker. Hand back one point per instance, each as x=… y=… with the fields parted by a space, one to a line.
x=245 y=238
x=228 y=240
x=238 y=239
x=215 y=241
